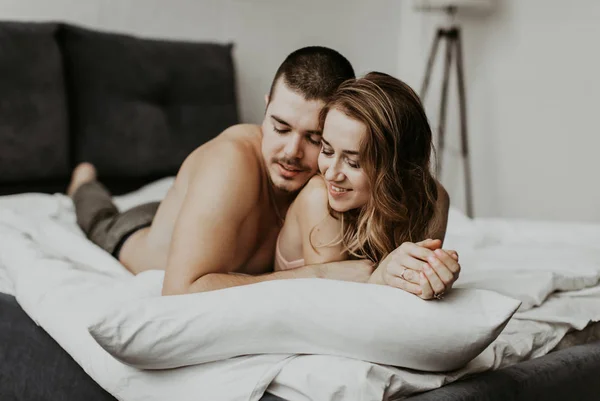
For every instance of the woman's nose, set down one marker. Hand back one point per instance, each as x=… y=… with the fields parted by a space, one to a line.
x=333 y=173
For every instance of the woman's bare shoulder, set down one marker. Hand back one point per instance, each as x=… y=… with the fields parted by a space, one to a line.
x=313 y=197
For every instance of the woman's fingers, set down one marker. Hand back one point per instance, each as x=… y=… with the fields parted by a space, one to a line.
x=426 y=290
x=417 y=251
x=407 y=267
x=442 y=271
x=422 y=268
x=398 y=282
x=453 y=254
x=448 y=261
x=436 y=283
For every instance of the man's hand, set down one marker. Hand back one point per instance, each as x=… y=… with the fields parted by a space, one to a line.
x=421 y=268
x=358 y=271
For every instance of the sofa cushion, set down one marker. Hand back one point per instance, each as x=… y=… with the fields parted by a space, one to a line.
x=34 y=367
x=140 y=106
x=33 y=115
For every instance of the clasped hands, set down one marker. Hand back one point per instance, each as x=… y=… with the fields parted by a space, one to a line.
x=422 y=268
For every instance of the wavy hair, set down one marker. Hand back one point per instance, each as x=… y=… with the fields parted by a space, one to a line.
x=395 y=156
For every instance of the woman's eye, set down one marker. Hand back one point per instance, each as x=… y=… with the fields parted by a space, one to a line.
x=280 y=131
x=326 y=152
x=353 y=164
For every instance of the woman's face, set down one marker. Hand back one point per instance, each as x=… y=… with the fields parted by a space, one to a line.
x=347 y=183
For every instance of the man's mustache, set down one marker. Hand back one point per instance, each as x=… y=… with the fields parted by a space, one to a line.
x=294 y=163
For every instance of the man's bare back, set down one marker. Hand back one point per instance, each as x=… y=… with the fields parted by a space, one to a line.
x=218 y=225
x=149 y=248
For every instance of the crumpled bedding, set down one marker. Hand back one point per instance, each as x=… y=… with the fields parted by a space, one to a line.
x=63 y=281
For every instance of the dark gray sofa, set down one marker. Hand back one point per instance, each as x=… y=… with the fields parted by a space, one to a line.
x=34 y=367
x=133 y=107
x=136 y=108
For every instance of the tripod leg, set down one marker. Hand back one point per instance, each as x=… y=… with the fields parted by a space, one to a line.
x=463 y=125
x=430 y=60
x=443 y=104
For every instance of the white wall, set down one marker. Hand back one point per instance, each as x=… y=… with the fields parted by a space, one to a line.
x=532 y=78
x=264 y=31
x=533 y=86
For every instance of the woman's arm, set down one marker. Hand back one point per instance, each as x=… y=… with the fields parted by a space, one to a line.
x=314 y=221
x=439 y=222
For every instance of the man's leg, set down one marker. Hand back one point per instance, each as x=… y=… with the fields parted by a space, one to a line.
x=99 y=218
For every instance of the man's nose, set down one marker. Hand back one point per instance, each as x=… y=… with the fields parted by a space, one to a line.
x=293 y=147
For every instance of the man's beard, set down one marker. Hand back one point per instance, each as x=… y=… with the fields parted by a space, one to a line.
x=281 y=183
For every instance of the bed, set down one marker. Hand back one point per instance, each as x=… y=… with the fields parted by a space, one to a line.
x=86 y=95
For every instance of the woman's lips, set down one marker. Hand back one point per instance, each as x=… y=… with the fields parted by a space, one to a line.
x=337 y=192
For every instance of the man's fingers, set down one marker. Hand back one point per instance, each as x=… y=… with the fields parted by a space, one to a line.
x=397 y=282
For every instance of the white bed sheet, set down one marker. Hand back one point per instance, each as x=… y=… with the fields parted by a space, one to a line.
x=62 y=280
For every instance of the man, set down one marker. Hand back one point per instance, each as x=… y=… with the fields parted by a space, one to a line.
x=218 y=225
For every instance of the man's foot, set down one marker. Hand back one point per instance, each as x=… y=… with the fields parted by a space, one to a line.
x=83 y=173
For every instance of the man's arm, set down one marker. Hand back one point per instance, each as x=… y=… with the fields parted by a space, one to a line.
x=221 y=193
x=205 y=235
x=356 y=271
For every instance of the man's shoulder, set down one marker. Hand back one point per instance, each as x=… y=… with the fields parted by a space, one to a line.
x=242 y=133
x=230 y=161
x=240 y=143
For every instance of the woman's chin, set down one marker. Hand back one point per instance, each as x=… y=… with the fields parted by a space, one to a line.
x=341 y=207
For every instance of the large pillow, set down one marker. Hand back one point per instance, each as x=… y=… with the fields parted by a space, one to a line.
x=306 y=316
x=140 y=106
x=34 y=134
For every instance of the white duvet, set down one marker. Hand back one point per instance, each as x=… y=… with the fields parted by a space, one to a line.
x=64 y=282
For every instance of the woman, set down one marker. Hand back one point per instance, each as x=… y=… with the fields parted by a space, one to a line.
x=375 y=191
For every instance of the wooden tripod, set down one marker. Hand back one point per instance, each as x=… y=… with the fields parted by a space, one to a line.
x=452 y=37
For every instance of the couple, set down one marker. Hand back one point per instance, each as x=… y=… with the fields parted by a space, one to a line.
x=345 y=160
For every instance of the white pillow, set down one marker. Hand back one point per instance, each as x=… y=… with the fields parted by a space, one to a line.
x=370 y=322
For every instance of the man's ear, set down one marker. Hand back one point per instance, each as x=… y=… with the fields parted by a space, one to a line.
x=266 y=99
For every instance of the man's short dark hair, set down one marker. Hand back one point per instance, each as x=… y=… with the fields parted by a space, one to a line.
x=314 y=71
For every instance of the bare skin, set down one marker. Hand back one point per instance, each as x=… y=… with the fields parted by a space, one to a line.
x=310 y=232
x=218 y=224
x=240 y=145
x=84 y=172
x=308 y=218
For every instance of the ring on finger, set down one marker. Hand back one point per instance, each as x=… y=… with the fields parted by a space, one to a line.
x=402 y=274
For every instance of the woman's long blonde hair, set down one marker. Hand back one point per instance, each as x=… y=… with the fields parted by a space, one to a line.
x=395 y=155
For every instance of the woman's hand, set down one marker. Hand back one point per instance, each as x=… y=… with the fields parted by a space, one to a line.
x=421 y=268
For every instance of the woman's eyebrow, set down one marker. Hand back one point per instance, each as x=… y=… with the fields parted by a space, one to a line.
x=348 y=152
